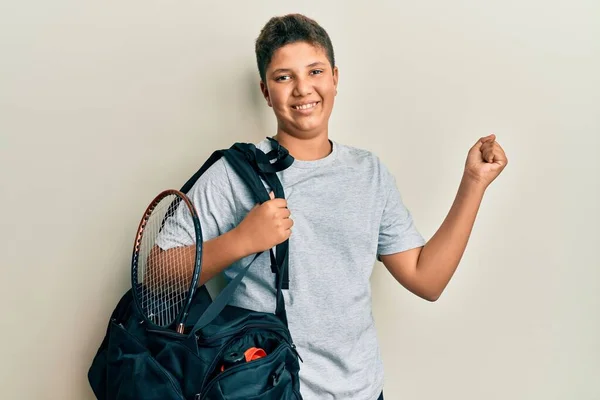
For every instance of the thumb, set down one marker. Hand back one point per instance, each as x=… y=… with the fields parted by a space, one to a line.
x=480 y=142
x=271 y=195
x=489 y=138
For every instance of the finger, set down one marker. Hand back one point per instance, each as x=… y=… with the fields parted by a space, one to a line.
x=487 y=146
x=477 y=146
x=271 y=195
x=278 y=203
x=288 y=223
x=494 y=154
x=498 y=150
x=288 y=234
x=489 y=138
x=285 y=213
x=499 y=156
x=487 y=152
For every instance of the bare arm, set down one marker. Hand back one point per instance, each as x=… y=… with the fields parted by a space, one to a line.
x=221 y=252
x=217 y=254
x=426 y=271
x=264 y=227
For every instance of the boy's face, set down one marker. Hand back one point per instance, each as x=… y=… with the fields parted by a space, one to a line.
x=300 y=87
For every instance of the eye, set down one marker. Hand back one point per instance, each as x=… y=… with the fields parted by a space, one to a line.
x=282 y=78
x=316 y=71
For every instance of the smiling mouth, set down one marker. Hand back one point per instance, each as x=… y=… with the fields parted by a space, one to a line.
x=306 y=106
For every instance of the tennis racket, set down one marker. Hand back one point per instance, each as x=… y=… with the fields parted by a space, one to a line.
x=166 y=260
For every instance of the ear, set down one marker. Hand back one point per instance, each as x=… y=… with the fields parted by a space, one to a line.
x=336 y=75
x=265 y=92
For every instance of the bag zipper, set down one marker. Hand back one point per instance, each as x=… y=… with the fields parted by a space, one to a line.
x=238 y=368
x=244 y=328
x=236 y=330
x=221 y=335
x=174 y=335
x=238 y=333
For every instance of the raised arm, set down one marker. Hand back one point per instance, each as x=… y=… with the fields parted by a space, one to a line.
x=426 y=271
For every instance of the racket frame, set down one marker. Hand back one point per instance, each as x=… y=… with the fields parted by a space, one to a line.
x=182 y=316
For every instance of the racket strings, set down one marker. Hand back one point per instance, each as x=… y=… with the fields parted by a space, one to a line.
x=163 y=275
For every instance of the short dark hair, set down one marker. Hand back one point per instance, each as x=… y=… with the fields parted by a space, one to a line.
x=290 y=28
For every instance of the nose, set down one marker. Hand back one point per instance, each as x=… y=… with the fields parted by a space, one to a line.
x=303 y=87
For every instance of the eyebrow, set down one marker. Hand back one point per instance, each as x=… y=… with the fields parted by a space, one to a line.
x=316 y=63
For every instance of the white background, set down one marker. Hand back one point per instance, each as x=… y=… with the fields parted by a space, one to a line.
x=103 y=104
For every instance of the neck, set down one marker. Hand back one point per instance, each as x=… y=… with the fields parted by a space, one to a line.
x=305 y=149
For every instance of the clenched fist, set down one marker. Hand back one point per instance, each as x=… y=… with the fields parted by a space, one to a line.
x=485 y=161
x=266 y=225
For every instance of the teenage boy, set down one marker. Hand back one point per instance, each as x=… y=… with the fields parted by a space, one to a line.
x=345 y=211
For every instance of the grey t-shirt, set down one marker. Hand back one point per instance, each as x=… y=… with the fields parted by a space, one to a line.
x=346 y=210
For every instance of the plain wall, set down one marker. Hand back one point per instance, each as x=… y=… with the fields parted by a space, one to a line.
x=104 y=104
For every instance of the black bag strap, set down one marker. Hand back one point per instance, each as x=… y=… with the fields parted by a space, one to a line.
x=224 y=298
x=280 y=155
x=267 y=166
x=250 y=164
x=267 y=170
x=207 y=164
x=284 y=160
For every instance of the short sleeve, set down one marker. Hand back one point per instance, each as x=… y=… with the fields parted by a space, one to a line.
x=178 y=230
x=212 y=196
x=397 y=230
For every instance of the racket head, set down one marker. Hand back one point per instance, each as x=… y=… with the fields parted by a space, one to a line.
x=163 y=284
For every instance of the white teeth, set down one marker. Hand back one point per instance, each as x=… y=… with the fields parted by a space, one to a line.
x=305 y=106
